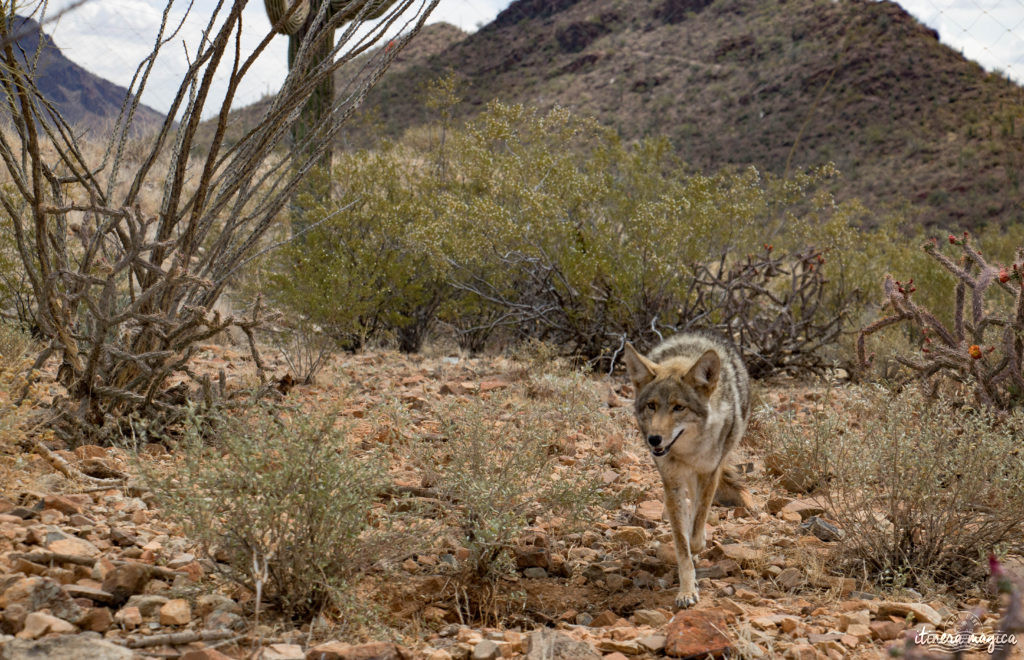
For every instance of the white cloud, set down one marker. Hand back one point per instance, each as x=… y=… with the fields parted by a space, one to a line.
x=990 y=32
x=111 y=37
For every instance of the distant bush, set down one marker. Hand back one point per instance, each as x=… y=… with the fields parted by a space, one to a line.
x=282 y=499
x=522 y=224
x=923 y=491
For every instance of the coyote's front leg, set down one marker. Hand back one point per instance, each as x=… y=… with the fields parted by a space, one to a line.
x=680 y=504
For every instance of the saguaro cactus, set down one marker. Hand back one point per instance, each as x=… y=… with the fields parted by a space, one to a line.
x=296 y=18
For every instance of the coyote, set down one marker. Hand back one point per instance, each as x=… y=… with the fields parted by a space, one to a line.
x=692 y=404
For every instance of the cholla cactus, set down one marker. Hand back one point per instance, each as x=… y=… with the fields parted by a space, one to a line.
x=984 y=346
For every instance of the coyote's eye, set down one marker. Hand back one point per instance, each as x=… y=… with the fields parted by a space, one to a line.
x=677 y=408
x=651 y=405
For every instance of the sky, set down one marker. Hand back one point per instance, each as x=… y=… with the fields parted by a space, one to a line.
x=110 y=37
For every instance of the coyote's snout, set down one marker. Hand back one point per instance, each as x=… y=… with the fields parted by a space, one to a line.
x=692 y=403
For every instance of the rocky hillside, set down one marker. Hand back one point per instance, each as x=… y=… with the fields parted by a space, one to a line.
x=778 y=84
x=84 y=99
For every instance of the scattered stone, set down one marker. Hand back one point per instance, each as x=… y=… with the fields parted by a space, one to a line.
x=221 y=619
x=860 y=617
x=885 y=631
x=125 y=580
x=790 y=578
x=806 y=508
x=175 y=613
x=625 y=646
x=128 y=617
x=283 y=652
x=486 y=650
x=531 y=556
x=652 y=618
x=616 y=582
x=859 y=630
x=207 y=603
x=548 y=644
x=63 y=504
x=776 y=504
x=584 y=619
x=604 y=619
x=439 y=654
x=652 y=510
x=36 y=593
x=148 y=604
x=209 y=654
x=631 y=536
x=92 y=593
x=62 y=543
x=652 y=643
x=821 y=528
x=922 y=613
x=740 y=553
x=372 y=651
x=697 y=633
x=79 y=647
x=98 y=619
x=38 y=624
x=802 y=652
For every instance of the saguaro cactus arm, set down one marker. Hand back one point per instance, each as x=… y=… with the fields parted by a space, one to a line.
x=279 y=9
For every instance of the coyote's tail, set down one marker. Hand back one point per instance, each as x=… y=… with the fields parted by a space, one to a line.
x=731 y=491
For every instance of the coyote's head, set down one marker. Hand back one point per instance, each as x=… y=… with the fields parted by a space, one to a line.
x=671 y=403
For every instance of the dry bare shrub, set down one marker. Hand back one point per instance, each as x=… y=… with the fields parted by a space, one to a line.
x=283 y=500
x=922 y=490
x=498 y=468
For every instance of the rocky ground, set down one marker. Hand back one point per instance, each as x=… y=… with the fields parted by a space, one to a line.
x=99 y=573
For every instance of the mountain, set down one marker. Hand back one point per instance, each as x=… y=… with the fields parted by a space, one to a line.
x=778 y=84
x=84 y=99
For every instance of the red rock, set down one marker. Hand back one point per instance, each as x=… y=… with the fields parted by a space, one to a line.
x=62 y=504
x=697 y=634
x=530 y=556
x=125 y=580
x=36 y=593
x=175 y=613
x=204 y=654
x=372 y=651
x=98 y=619
x=604 y=619
x=886 y=630
x=129 y=617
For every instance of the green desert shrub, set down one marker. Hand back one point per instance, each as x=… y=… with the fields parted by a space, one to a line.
x=498 y=470
x=282 y=500
x=545 y=225
x=922 y=490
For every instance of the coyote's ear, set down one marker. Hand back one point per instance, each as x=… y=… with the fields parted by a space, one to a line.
x=703 y=375
x=641 y=370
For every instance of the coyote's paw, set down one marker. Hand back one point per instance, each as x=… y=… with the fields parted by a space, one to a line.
x=686 y=599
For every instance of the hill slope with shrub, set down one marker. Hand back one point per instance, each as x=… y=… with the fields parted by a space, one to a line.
x=779 y=85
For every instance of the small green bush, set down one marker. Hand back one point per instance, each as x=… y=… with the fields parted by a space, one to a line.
x=923 y=490
x=498 y=468
x=522 y=224
x=282 y=499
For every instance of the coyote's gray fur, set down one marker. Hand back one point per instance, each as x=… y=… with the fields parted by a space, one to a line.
x=692 y=404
